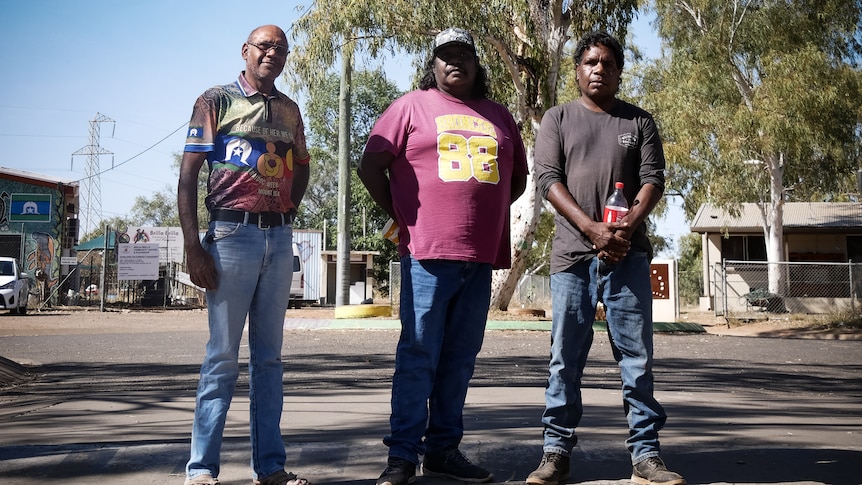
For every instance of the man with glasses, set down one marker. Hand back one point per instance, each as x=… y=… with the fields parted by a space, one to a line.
x=444 y=162
x=253 y=140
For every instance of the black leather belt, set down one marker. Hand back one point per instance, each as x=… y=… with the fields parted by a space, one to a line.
x=261 y=220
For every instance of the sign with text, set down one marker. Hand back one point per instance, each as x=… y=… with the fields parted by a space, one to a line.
x=169 y=239
x=137 y=261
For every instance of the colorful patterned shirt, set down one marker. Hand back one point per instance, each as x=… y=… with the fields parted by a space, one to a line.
x=252 y=141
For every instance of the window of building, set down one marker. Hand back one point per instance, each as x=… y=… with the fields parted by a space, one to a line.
x=743 y=248
x=854 y=248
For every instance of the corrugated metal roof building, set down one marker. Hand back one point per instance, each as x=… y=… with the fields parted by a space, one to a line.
x=798 y=217
x=813 y=232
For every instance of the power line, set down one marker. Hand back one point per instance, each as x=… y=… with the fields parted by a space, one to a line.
x=145 y=150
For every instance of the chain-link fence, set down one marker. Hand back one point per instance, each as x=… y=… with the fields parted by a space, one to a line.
x=748 y=288
x=98 y=284
x=533 y=291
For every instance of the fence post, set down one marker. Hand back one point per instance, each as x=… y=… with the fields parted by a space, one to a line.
x=104 y=269
x=724 y=286
x=850 y=282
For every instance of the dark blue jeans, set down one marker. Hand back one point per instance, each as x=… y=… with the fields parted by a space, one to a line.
x=444 y=308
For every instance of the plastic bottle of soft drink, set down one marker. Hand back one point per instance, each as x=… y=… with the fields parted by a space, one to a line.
x=616 y=207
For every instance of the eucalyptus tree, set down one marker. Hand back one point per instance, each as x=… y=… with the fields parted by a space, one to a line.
x=521 y=43
x=758 y=101
x=371 y=93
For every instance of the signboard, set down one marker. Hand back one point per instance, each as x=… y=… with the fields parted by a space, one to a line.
x=68 y=260
x=660 y=281
x=665 y=302
x=169 y=239
x=30 y=208
x=137 y=261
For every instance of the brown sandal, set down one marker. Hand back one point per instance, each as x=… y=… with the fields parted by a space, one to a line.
x=205 y=479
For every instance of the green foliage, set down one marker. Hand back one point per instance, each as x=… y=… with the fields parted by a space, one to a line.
x=658 y=243
x=159 y=210
x=765 y=80
x=520 y=43
x=371 y=94
x=539 y=257
x=690 y=269
x=115 y=223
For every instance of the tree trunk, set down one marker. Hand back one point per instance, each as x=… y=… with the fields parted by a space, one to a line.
x=342 y=285
x=524 y=217
x=775 y=228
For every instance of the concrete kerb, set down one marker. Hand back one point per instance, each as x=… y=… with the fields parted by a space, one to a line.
x=538 y=325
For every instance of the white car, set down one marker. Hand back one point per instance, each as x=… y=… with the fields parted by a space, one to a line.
x=14 y=286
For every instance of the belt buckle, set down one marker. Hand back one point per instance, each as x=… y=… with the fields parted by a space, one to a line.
x=260 y=223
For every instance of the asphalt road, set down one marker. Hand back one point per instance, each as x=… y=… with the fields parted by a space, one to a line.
x=116 y=406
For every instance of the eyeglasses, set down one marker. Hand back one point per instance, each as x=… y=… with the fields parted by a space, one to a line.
x=278 y=49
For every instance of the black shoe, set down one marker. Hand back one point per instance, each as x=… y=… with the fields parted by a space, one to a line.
x=451 y=463
x=653 y=471
x=553 y=469
x=398 y=472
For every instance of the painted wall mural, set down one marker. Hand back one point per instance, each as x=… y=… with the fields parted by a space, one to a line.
x=35 y=213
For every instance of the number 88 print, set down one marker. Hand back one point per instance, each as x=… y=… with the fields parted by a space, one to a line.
x=461 y=158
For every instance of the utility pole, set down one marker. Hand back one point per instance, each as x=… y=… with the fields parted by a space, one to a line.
x=91 y=199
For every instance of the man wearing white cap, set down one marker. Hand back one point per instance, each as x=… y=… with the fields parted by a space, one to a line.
x=445 y=162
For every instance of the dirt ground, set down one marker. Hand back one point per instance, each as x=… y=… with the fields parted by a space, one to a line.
x=73 y=320
x=755 y=325
x=778 y=326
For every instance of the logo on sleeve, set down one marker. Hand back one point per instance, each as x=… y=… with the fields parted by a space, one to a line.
x=196 y=132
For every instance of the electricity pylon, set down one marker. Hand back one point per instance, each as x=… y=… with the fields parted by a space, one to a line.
x=91 y=197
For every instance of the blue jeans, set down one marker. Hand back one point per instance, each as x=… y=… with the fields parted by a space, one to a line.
x=444 y=308
x=627 y=296
x=254 y=274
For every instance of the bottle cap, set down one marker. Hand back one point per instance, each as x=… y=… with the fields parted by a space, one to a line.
x=618 y=185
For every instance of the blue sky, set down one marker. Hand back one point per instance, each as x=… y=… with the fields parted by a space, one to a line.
x=141 y=64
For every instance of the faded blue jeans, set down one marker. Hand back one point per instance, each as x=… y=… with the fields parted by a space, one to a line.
x=444 y=308
x=625 y=290
x=254 y=274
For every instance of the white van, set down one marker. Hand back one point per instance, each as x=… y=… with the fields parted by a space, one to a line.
x=297 y=284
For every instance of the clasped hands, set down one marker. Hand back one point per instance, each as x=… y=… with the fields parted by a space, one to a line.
x=611 y=239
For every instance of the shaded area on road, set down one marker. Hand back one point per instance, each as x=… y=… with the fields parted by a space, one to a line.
x=741 y=410
x=332 y=463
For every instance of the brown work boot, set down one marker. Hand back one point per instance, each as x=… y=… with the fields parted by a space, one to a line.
x=653 y=471
x=553 y=469
x=280 y=477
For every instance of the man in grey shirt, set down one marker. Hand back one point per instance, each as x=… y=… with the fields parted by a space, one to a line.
x=583 y=148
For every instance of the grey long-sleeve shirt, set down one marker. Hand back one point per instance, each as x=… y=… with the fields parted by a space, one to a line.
x=587 y=152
